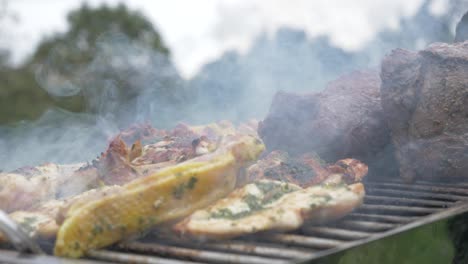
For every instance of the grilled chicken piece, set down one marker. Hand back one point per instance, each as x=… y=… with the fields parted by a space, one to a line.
x=18 y=192
x=304 y=171
x=352 y=170
x=167 y=195
x=114 y=165
x=121 y=164
x=151 y=151
x=269 y=205
x=118 y=165
x=277 y=165
x=39 y=222
x=286 y=193
x=45 y=220
x=29 y=186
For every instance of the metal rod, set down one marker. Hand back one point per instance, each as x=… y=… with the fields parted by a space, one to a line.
x=334 y=232
x=384 y=218
x=13 y=257
x=405 y=201
x=425 y=195
x=16 y=236
x=447 y=190
x=259 y=249
x=197 y=255
x=248 y=245
x=366 y=225
x=313 y=242
x=450 y=184
x=132 y=258
x=398 y=210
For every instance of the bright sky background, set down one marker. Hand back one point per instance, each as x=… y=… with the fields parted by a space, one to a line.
x=200 y=31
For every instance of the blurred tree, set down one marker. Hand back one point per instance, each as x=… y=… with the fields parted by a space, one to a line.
x=97 y=66
x=20 y=98
x=5 y=14
x=87 y=24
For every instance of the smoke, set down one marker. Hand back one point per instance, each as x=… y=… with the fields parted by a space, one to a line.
x=58 y=136
x=290 y=60
x=124 y=78
x=125 y=81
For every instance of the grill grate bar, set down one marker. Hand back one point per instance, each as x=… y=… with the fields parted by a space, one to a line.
x=13 y=257
x=197 y=255
x=384 y=218
x=133 y=258
x=388 y=205
x=366 y=225
x=299 y=240
x=258 y=249
x=397 y=209
x=424 y=195
x=405 y=201
x=457 y=185
x=239 y=246
x=336 y=233
x=438 y=189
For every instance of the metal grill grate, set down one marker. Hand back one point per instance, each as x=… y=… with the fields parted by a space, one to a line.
x=390 y=207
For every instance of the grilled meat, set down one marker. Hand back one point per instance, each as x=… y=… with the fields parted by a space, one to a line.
x=169 y=194
x=41 y=196
x=304 y=171
x=344 y=120
x=268 y=205
x=39 y=222
x=352 y=170
x=425 y=98
x=121 y=164
x=284 y=194
x=44 y=220
x=166 y=175
x=29 y=186
x=151 y=151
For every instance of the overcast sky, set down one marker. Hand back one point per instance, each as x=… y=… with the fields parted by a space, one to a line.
x=200 y=31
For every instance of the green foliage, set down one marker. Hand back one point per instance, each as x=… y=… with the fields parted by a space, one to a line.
x=60 y=72
x=88 y=24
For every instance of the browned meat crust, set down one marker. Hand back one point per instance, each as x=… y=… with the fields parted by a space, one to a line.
x=344 y=120
x=150 y=150
x=425 y=98
x=304 y=171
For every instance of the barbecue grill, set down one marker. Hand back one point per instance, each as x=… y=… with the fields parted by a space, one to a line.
x=396 y=219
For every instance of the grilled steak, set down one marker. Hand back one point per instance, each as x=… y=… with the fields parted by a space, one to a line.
x=425 y=100
x=344 y=120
